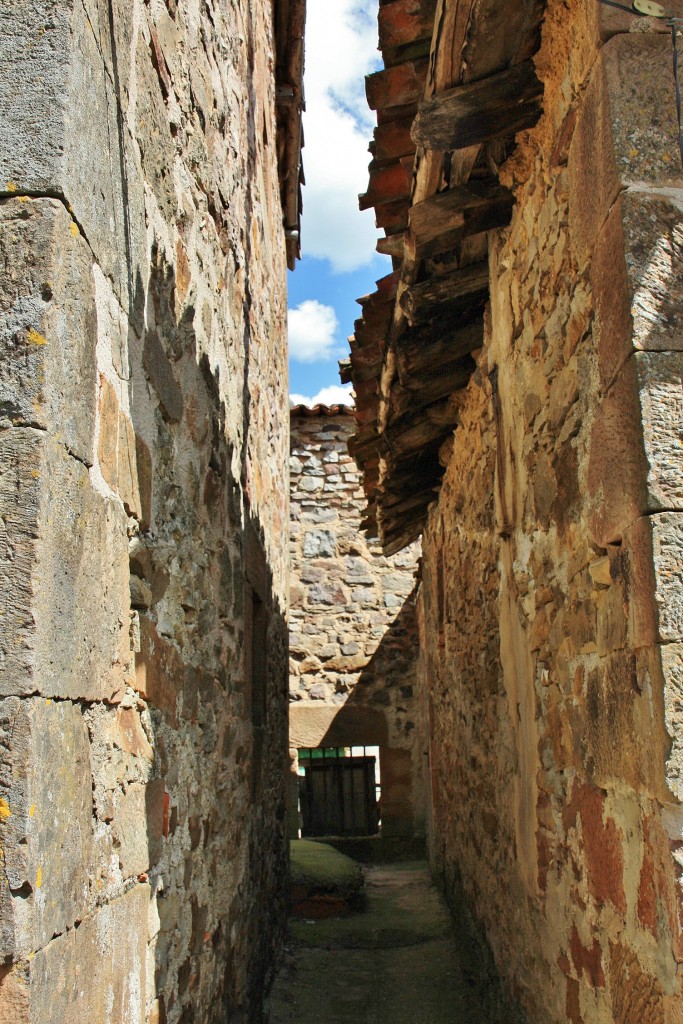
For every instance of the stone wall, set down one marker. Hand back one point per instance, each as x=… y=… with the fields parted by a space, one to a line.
x=353 y=632
x=550 y=610
x=143 y=513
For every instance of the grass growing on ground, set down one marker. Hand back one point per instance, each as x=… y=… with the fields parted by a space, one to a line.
x=322 y=869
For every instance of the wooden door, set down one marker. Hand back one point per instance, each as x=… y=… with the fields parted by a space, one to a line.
x=338 y=797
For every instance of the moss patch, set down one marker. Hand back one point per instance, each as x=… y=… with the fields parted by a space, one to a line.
x=319 y=868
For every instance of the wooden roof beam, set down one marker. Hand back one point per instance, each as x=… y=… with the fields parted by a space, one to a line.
x=396 y=536
x=416 y=394
x=366 y=444
x=421 y=429
x=431 y=299
x=495 y=107
x=423 y=350
x=439 y=223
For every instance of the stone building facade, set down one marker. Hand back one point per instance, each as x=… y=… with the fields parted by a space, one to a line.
x=550 y=603
x=144 y=511
x=353 y=629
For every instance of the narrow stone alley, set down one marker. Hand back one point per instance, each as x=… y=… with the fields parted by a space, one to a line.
x=400 y=959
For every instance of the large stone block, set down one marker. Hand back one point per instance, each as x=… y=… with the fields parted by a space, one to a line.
x=64 y=589
x=653 y=547
x=158 y=152
x=138 y=827
x=159 y=670
x=636 y=276
x=668 y=674
x=45 y=821
x=625 y=134
x=62 y=132
x=123 y=458
x=619 y=731
x=319 y=544
x=95 y=974
x=635 y=462
x=48 y=328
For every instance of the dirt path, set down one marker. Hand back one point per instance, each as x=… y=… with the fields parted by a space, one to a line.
x=396 y=962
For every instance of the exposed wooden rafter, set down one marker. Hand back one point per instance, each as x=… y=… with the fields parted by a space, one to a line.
x=497 y=107
x=290 y=19
x=444 y=124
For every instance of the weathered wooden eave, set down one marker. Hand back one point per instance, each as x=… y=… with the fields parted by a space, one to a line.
x=444 y=126
x=289 y=23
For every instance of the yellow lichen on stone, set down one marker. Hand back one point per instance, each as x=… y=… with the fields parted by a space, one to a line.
x=39 y=878
x=74 y=229
x=32 y=810
x=35 y=338
x=11 y=186
x=4 y=809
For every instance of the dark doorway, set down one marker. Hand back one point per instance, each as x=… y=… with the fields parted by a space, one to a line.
x=338 y=793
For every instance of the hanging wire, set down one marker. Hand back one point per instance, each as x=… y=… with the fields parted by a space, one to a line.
x=619 y=7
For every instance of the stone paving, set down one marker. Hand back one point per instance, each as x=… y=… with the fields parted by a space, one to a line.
x=398 y=961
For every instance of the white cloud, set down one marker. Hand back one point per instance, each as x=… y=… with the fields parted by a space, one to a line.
x=341 y=48
x=333 y=394
x=312 y=329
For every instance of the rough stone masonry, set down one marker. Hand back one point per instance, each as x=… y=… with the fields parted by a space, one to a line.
x=353 y=628
x=143 y=511
x=551 y=605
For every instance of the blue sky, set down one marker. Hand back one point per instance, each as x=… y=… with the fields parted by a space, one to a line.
x=314 y=279
x=338 y=241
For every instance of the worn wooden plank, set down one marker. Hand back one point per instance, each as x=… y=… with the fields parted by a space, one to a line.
x=451 y=23
x=395 y=541
x=488 y=49
x=420 y=392
x=414 y=432
x=366 y=444
x=426 y=300
x=420 y=351
x=495 y=107
x=437 y=224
